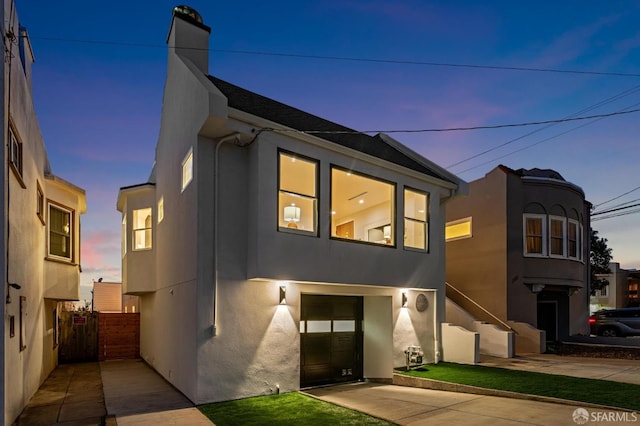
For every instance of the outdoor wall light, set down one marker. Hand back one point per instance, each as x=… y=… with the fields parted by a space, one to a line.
x=405 y=300
x=283 y=295
x=14 y=285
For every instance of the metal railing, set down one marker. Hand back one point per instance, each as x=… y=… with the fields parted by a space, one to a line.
x=479 y=306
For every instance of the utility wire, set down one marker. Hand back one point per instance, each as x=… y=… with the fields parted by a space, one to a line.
x=622 y=204
x=615 y=198
x=347 y=58
x=595 y=219
x=453 y=129
x=582 y=111
x=614 y=210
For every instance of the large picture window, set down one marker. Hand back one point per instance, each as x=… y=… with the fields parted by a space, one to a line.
x=142 y=222
x=534 y=235
x=298 y=193
x=362 y=208
x=60 y=232
x=415 y=219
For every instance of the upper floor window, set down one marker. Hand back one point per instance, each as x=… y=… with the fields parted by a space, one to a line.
x=142 y=221
x=415 y=219
x=60 y=232
x=556 y=236
x=40 y=203
x=458 y=229
x=15 y=152
x=160 y=209
x=297 y=193
x=574 y=240
x=124 y=234
x=535 y=234
x=187 y=169
x=362 y=208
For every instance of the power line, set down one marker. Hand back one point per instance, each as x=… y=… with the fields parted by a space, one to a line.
x=615 y=198
x=619 y=214
x=454 y=129
x=614 y=210
x=582 y=111
x=348 y=58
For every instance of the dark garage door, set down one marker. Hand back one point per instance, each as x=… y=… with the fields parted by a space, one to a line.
x=330 y=339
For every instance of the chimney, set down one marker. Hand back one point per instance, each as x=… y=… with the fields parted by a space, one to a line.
x=189 y=37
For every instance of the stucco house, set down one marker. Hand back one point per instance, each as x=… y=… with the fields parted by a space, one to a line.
x=518 y=247
x=41 y=244
x=269 y=257
x=621 y=292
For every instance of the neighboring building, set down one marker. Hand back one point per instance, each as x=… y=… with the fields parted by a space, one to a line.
x=108 y=298
x=41 y=244
x=621 y=292
x=517 y=245
x=268 y=260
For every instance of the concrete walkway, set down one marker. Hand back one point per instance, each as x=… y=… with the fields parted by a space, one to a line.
x=131 y=393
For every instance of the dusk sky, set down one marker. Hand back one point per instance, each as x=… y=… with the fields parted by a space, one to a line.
x=99 y=74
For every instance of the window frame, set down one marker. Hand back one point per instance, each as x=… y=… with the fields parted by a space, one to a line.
x=551 y=238
x=468 y=219
x=146 y=228
x=16 y=154
x=123 y=230
x=316 y=197
x=188 y=159
x=52 y=204
x=425 y=222
x=578 y=240
x=160 y=209
x=543 y=236
x=40 y=203
x=393 y=211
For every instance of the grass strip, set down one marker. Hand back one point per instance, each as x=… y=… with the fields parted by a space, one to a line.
x=615 y=394
x=285 y=409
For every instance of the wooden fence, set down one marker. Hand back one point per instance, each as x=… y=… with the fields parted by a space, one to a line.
x=94 y=336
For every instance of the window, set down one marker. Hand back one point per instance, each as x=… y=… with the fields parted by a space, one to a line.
x=15 y=152
x=187 y=169
x=362 y=208
x=123 y=230
x=298 y=193
x=40 y=203
x=142 y=221
x=458 y=229
x=534 y=235
x=60 y=232
x=574 y=248
x=160 y=209
x=604 y=291
x=415 y=219
x=556 y=236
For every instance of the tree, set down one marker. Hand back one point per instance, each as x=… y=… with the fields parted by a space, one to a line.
x=599 y=257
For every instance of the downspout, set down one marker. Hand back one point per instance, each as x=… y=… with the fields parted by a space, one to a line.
x=436 y=341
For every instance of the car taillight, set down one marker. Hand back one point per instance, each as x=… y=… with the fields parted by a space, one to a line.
x=592 y=320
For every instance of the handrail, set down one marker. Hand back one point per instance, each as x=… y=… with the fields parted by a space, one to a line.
x=504 y=324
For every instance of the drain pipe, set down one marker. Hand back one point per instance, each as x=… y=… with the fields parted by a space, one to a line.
x=235 y=138
x=436 y=341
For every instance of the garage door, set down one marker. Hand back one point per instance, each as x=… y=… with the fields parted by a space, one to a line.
x=330 y=339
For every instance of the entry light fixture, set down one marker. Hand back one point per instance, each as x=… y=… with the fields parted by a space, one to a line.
x=283 y=295
x=9 y=287
x=405 y=300
x=292 y=216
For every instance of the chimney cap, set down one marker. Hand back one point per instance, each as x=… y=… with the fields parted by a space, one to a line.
x=189 y=12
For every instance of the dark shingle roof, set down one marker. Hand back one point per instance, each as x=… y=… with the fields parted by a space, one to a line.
x=258 y=105
x=543 y=173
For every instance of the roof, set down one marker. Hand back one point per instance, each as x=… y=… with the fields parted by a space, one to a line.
x=261 y=106
x=543 y=173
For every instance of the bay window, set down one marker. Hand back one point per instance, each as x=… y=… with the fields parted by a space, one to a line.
x=60 y=232
x=142 y=223
x=535 y=235
x=556 y=236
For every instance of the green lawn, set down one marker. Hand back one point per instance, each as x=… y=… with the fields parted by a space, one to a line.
x=287 y=409
x=623 y=395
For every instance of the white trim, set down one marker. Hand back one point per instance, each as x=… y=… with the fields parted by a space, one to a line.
x=543 y=220
x=564 y=236
x=578 y=240
x=71 y=235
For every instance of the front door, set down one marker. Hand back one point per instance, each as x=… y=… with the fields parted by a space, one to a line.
x=330 y=339
x=548 y=318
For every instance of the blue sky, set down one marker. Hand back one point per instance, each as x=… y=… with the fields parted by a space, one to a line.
x=99 y=75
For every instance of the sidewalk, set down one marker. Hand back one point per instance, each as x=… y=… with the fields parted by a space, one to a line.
x=114 y=393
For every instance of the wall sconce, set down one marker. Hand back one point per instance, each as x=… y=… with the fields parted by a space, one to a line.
x=14 y=285
x=283 y=295
x=292 y=215
x=405 y=300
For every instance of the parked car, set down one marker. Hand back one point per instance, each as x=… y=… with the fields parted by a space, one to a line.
x=616 y=322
